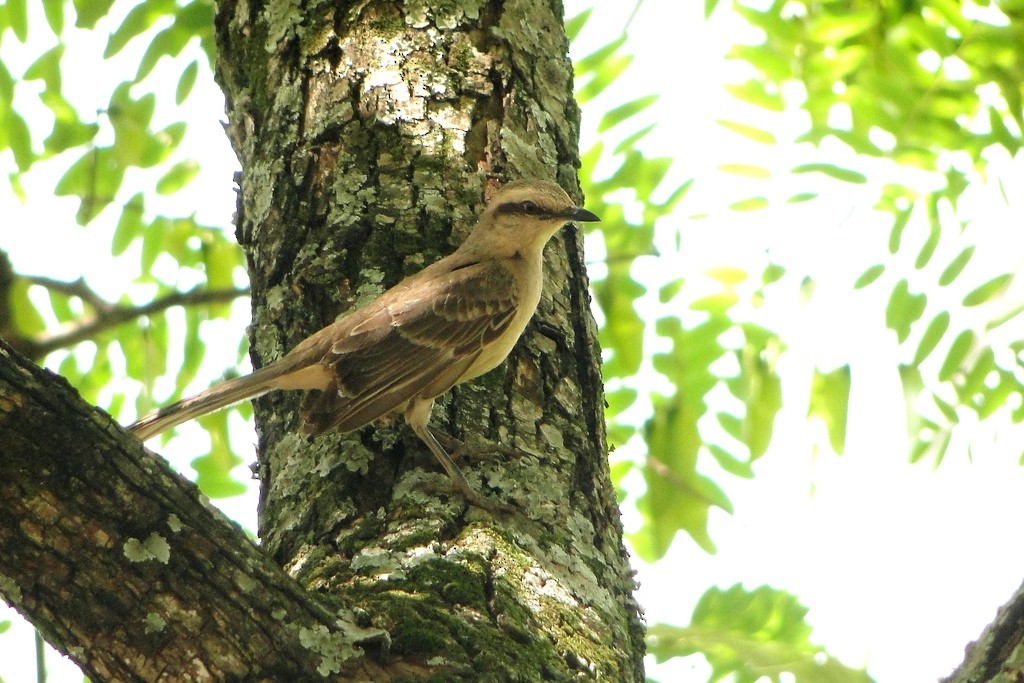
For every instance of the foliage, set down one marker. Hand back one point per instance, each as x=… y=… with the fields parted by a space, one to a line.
x=897 y=86
x=932 y=90
x=751 y=634
x=116 y=164
x=675 y=439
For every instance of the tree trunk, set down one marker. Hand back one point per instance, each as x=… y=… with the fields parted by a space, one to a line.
x=367 y=133
x=998 y=654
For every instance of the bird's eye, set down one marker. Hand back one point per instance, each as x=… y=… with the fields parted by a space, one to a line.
x=530 y=208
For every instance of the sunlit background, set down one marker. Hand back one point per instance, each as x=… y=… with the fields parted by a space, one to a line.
x=900 y=565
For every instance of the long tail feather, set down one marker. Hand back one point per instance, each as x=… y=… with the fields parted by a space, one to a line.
x=214 y=398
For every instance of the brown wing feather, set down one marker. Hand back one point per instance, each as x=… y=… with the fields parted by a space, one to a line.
x=413 y=348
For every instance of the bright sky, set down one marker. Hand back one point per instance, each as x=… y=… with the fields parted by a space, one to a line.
x=900 y=565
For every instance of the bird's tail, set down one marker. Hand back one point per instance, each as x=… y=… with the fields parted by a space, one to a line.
x=214 y=398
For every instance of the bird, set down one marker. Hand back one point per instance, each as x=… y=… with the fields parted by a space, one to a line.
x=444 y=325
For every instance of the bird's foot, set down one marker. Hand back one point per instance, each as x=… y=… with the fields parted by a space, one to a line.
x=482 y=451
x=463 y=488
x=458 y=480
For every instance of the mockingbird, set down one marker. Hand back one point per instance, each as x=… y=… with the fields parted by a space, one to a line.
x=450 y=322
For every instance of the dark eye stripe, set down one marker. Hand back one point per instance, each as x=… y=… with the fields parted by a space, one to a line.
x=527 y=207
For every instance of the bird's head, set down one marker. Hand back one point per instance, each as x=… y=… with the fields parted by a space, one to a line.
x=523 y=215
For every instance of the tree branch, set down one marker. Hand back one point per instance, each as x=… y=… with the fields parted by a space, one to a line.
x=106 y=315
x=120 y=565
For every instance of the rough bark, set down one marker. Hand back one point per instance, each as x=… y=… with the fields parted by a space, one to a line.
x=367 y=133
x=998 y=654
x=121 y=565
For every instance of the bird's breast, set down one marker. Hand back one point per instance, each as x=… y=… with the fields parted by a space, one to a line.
x=529 y=279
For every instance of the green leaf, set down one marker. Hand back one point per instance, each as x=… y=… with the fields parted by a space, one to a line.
x=774 y=64
x=958 y=351
x=760 y=388
x=773 y=272
x=20 y=139
x=138 y=19
x=129 y=226
x=47 y=69
x=731 y=425
x=157 y=147
x=168 y=42
x=27 y=318
x=600 y=56
x=830 y=28
x=931 y=337
x=619 y=470
x=975 y=378
x=603 y=66
x=750 y=204
x=669 y=291
x=91 y=11
x=748 y=131
x=677 y=496
x=716 y=304
x=993 y=400
x=54 y=11
x=220 y=258
x=196 y=18
x=837 y=172
x=1002 y=134
x=68 y=134
x=956 y=266
x=934 y=232
x=194 y=349
x=903 y=310
x=213 y=470
x=802 y=197
x=730 y=463
x=935 y=444
x=750 y=635
x=130 y=119
x=988 y=291
x=830 y=403
x=6 y=85
x=622 y=334
x=630 y=141
x=746 y=170
x=756 y=92
x=869 y=276
x=575 y=24
x=185 y=82
x=947 y=410
x=1004 y=317
x=898 y=226
x=617 y=115
x=620 y=399
x=603 y=78
x=179 y=175
x=727 y=275
x=17 y=18
x=94 y=178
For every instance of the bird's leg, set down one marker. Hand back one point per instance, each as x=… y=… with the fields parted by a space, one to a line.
x=459 y=480
x=459 y=449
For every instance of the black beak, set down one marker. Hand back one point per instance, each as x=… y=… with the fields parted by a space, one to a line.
x=580 y=215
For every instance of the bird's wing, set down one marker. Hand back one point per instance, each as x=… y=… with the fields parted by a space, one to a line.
x=411 y=347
